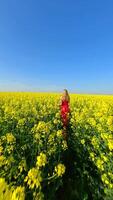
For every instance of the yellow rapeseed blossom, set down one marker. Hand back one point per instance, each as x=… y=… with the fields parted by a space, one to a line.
x=92 y=156
x=94 y=142
x=110 y=120
x=55 y=121
x=10 y=138
x=2 y=160
x=110 y=144
x=1 y=149
x=57 y=115
x=59 y=133
x=64 y=145
x=60 y=169
x=42 y=126
x=5 y=192
x=18 y=193
x=104 y=136
x=105 y=159
x=99 y=164
x=106 y=181
x=41 y=160
x=82 y=141
x=34 y=178
x=34 y=120
x=3 y=185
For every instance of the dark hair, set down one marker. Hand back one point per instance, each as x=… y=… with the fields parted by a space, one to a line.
x=67 y=94
x=66 y=91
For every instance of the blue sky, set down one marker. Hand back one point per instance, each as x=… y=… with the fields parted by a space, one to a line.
x=48 y=45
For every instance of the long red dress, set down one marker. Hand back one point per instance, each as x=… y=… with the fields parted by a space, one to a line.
x=65 y=110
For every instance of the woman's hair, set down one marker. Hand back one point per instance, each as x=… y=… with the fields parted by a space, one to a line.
x=67 y=97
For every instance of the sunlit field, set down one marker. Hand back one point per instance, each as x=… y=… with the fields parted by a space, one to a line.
x=37 y=163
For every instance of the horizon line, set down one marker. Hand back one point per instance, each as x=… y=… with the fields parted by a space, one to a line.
x=71 y=92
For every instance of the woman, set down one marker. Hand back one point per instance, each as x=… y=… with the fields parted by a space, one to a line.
x=65 y=110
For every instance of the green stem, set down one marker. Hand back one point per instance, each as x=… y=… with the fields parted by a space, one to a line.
x=49 y=178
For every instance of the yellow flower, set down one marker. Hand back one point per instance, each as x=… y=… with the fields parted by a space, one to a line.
x=34 y=178
x=42 y=126
x=104 y=136
x=104 y=158
x=111 y=186
x=1 y=149
x=92 y=156
x=110 y=120
x=41 y=160
x=64 y=145
x=59 y=133
x=2 y=160
x=110 y=144
x=5 y=193
x=55 y=121
x=21 y=122
x=82 y=141
x=10 y=138
x=110 y=123
x=94 y=142
x=3 y=138
x=3 y=185
x=99 y=127
x=99 y=164
x=57 y=115
x=18 y=193
x=104 y=177
x=106 y=182
x=92 y=121
x=60 y=169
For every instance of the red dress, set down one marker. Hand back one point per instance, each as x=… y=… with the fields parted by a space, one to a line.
x=65 y=109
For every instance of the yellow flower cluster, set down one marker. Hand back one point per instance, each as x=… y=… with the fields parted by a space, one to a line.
x=18 y=193
x=99 y=164
x=2 y=160
x=35 y=121
x=92 y=156
x=10 y=138
x=60 y=169
x=82 y=141
x=1 y=149
x=94 y=142
x=59 y=133
x=4 y=190
x=34 y=178
x=110 y=144
x=106 y=181
x=110 y=123
x=42 y=127
x=64 y=145
x=92 y=118
x=41 y=160
x=109 y=139
x=11 y=193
